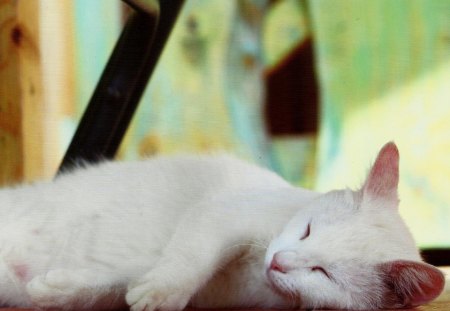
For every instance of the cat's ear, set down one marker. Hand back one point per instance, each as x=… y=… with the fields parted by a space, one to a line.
x=410 y=283
x=382 y=181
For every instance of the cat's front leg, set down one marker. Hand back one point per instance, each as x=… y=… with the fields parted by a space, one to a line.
x=203 y=242
x=157 y=291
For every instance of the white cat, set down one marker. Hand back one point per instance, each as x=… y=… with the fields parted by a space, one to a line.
x=169 y=232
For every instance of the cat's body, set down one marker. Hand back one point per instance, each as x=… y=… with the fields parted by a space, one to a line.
x=194 y=229
x=100 y=217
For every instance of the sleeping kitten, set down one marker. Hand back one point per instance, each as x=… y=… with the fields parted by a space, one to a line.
x=208 y=231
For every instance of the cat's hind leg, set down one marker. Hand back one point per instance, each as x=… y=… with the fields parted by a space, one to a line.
x=12 y=285
x=75 y=289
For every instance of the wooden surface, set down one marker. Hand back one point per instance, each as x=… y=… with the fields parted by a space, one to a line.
x=21 y=91
x=11 y=36
x=58 y=75
x=439 y=305
x=442 y=303
x=435 y=306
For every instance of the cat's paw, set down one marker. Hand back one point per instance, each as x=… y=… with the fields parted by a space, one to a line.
x=55 y=289
x=151 y=294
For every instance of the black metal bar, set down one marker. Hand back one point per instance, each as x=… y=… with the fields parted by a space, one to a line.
x=437 y=256
x=121 y=85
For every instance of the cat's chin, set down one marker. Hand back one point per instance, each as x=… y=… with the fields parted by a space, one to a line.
x=279 y=285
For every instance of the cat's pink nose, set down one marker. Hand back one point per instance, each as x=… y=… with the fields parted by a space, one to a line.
x=275 y=265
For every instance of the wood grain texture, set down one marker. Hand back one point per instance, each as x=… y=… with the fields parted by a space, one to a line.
x=10 y=112
x=21 y=91
x=435 y=306
x=31 y=92
x=58 y=64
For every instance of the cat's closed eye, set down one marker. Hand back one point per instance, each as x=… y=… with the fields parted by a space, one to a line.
x=321 y=270
x=307 y=232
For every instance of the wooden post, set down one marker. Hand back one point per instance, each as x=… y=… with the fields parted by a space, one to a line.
x=57 y=29
x=20 y=91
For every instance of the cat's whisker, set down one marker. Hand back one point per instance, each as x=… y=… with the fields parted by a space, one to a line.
x=247 y=244
x=260 y=244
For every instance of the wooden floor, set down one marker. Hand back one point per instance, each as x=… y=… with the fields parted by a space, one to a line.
x=435 y=306
x=442 y=303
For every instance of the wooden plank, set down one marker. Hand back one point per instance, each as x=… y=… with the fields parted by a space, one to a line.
x=36 y=86
x=58 y=74
x=21 y=91
x=434 y=306
x=30 y=85
x=11 y=152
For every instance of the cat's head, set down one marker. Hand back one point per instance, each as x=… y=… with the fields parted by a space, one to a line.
x=350 y=249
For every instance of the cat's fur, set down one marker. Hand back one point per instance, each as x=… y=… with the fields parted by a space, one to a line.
x=208 y=231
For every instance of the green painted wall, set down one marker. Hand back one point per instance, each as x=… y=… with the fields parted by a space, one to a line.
x=383 y=68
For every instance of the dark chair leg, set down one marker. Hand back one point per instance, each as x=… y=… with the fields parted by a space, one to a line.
x=121 y=85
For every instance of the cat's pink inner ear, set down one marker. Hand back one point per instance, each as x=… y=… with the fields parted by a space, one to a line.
x=382 y=181
x=410 y=283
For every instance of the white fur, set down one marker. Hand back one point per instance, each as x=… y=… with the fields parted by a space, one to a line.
x=171 y=231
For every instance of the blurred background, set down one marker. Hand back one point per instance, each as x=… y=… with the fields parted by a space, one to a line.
x=309 y=89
